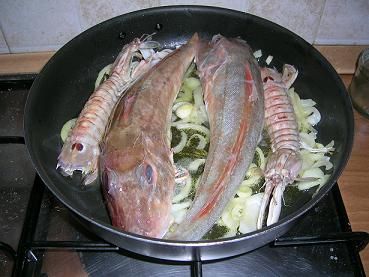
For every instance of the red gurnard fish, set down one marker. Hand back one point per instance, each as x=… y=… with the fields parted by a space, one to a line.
x=136 y=159
x=233 y=96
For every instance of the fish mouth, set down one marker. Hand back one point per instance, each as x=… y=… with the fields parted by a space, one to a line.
x=136 y=212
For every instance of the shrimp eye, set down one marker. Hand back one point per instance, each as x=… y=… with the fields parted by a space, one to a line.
x=77 y=146
x=268 y=78
x=149 y=174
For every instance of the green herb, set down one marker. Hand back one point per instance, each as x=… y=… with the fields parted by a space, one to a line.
x=216 y=232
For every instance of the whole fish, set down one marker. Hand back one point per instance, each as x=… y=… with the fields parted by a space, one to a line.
x=81 y=149
x=233 y=95
x=136 y=160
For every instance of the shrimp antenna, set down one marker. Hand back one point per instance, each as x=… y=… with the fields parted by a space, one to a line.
x=148 y=43
x=146 y=37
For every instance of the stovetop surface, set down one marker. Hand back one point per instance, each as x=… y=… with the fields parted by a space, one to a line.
x=56 y=223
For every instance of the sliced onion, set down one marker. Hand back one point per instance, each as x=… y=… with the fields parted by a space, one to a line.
x=307 y=103
x=179 y=147
x=147 y=53
x=307 y=161
x=173 y=118
x=194 y=165
x=184 y=110
x=180 y=125
x=250 y=171
x=185 y=95
x=269 y=60
x=67 y=127
x=324 y=162
x=199 y=114
x=237 y=210
x=244 y=191
x=315 y=117
x=185 y=191
x=227 y=219
x=189 y=70
x=322 y=183
x=258 y=54
x=311 y=172
x=192 y=83
x=202 y=141
x=162 y=54
x=178 y=104
x=251 y=211
x=262 y=159
x=102 y=72
x=319 y=148
x=307 y=140
x=180 y=212
x=180 y=206
x=251 y=181
x=330 y=145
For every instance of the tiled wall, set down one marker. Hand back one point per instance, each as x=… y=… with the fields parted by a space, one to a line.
x=39 y=25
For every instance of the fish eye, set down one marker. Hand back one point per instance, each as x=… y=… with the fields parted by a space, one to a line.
x=146 y=174
x=149 y=174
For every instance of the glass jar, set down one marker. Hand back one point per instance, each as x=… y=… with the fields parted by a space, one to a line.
x=359 y=87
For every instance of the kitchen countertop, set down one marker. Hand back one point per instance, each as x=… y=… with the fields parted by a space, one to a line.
x=353 y=183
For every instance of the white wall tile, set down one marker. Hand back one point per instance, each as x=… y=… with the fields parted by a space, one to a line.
x=301 y=17
x=3 y=46
x=344 y=22
x=240 y=5
x=93 y=12
x=38 y=25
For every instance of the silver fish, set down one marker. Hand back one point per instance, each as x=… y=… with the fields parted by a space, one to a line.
x=233 y=95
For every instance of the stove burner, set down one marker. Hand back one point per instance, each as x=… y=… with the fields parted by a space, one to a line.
x=321 y=243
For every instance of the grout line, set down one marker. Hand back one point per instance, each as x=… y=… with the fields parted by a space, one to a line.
x=6 y=42
x=320 y=21
x=79 y=14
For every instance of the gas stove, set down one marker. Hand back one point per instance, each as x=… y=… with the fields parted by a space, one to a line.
x=39 y=236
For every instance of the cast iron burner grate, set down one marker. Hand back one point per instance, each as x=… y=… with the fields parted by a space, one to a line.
x=322 y=242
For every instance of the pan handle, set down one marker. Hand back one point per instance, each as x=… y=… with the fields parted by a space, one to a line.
x=358 y=239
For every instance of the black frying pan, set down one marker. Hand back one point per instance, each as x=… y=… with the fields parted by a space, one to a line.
x=65 y=83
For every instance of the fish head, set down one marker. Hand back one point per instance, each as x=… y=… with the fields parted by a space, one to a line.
x=138 y=187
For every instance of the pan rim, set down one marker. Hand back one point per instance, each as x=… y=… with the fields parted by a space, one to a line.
x=199 y=244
